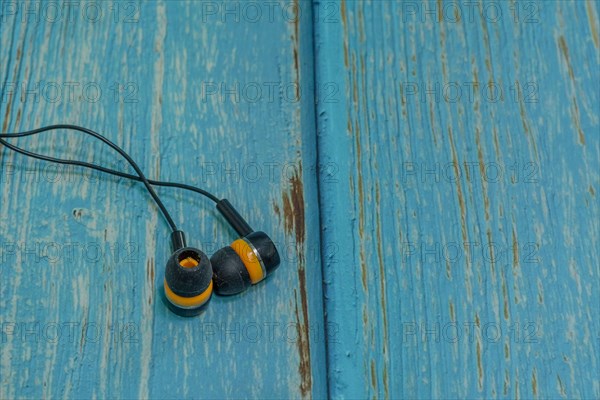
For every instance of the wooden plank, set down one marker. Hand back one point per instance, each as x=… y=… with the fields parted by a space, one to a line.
x=468 y=224
x=197 y=92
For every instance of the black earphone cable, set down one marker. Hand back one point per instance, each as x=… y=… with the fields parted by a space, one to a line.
x=141 y=177
x=84 y=164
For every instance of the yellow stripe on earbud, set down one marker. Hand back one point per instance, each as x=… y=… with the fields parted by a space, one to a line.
x=252 y=263
x=188 y=302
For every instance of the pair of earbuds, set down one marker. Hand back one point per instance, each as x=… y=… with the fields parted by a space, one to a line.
x=190 y=276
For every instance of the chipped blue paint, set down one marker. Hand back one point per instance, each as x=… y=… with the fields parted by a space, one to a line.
x=470 y=225
x=157 y=65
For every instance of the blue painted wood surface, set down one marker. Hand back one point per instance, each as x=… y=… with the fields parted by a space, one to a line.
x=92 y=325
x=439 y=238
x=470 y=223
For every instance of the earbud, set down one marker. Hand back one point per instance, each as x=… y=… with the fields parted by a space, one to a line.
x=247 y=261
x=188 y=278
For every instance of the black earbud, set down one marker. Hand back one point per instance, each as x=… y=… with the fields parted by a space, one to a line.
x=245 y=262
x=188 y=284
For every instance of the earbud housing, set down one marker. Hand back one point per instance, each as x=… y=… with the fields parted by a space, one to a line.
x=245 y=262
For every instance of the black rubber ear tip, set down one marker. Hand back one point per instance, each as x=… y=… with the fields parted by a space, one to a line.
x=230 y=275
x=267 y=250
x=188 y=275
x=188 y=281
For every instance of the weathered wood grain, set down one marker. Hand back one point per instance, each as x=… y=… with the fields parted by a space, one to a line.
x=86 y=320
x=468 y=224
